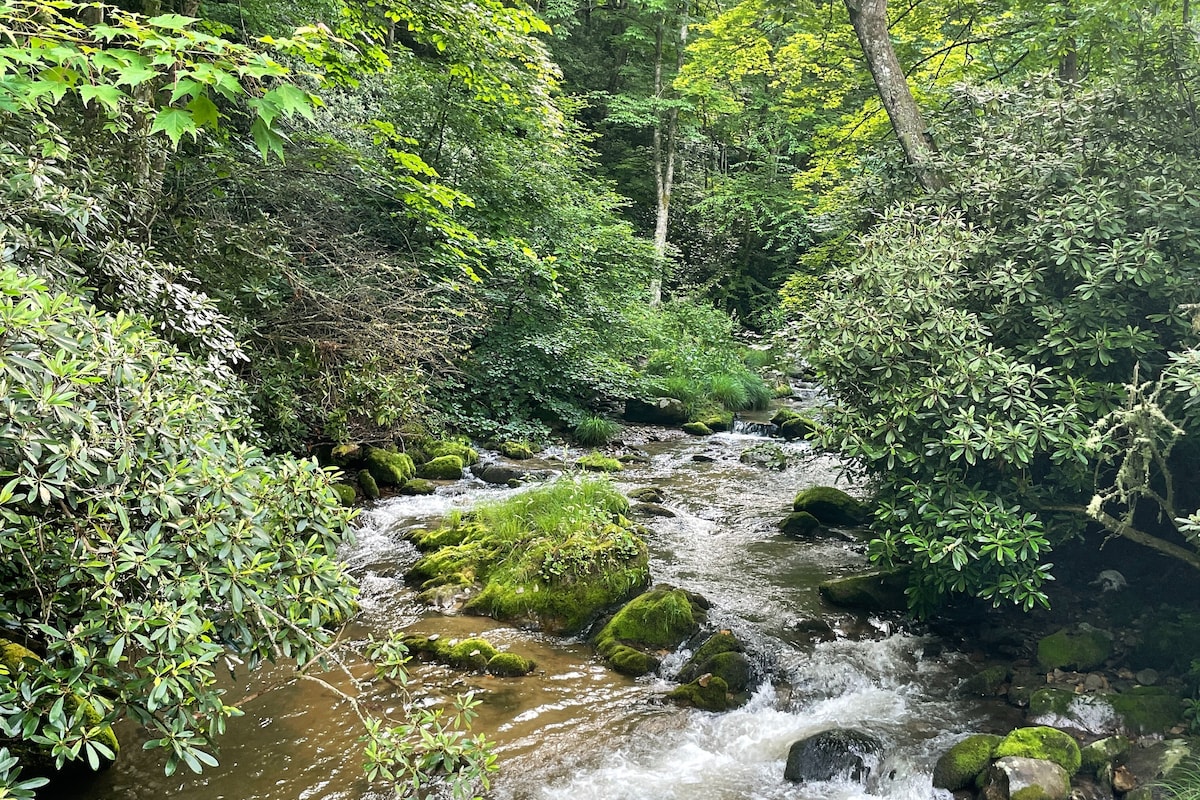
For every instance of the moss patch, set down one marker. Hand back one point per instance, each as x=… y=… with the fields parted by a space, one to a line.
x=831 y=506
x=510 y=665
x=1041 y=742
x=964 y=762
x=1099 y=753
x=415 y=486
x=660 y=619
x=346 y=493
x=708 y=694
x=442 y=468
x=366 y=482
x=473 y=654
x=465 y=454
x=1147 y=709
x=697 y=429
x=715 y=420
x=1081 y=650
x=553 y=557
x=389 y=469
x=597 y=462
x=797 y=428
x=518 y=451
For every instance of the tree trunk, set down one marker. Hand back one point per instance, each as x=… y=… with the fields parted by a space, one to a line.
x=869 y=18
x=666 y=135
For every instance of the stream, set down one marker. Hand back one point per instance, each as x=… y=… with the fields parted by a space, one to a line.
x=575 y=730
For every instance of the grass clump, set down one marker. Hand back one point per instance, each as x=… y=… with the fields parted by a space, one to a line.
x=729 y=392
x=594 y=430
x=553 y=557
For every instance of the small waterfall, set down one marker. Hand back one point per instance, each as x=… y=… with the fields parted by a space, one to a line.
x=751 y=428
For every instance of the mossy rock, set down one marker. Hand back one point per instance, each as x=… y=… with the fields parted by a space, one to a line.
x=473 y=654
x=959 y=766
x=660 y=619
x=1043 y=743
x=878 y=590
x=346 y=493
x=418 y=486
x=784 y=414
x=717 y=421
x=518 y=451
x=1147 y=709
x=510 y=665
x=733 y=668
x=797 y=428
x=987 y=682
x=697 y=429
x=630 y=661
x=34 y=758
x=1102 y=752
x=1081 y=650
x=343 y=455
x=831 y=506
x=465 y=453
x=442 y=468
x=782 y=391
x=387 y=468
x=366 y=482
x=647 y=494
x=715 y=645
x=445 y=536
x=799 y=524
x=1051 y=702
x=708 y=693
x=596 y=462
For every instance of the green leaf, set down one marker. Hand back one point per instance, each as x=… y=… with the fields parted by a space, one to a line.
x=107 y=95
x=175 y=123
x=173 y=22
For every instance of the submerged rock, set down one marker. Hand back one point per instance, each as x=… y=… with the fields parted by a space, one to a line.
x=648 y=494
x=879 y=590
x=766 y=454
x=846 y=755
x=799 y=524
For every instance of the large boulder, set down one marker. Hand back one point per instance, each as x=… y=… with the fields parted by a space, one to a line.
x=659 y=411
x=656 y=621
x=499 y=474
x=1016 y=778
x=831 y=506
x=964 y=762
x=442 y=468
x=1044 y=743
x=838 y=754
x=878 y=590
x=388 y=468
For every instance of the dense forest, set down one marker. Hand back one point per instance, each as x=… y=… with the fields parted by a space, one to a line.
x=242 y=244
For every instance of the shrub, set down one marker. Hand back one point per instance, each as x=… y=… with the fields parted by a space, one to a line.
x=594 y=430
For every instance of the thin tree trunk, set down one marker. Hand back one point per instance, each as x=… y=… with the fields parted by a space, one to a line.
x=869 y=18
x=666 y=136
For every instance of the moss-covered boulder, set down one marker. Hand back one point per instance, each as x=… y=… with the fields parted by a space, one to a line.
x=442 y=468
x=343 y=455
x=721 y=655
x=784 y=414
x=1017 y=778
x=708 y=693
x=518 y=451
x=388 y=468
x=831 y=506
x=418 y=486
x=716 y=420
x=656 y=621
x=797 y=428
x=1082 y=649
x=1042 y=743
x=799 y=524
x=988 y=682
x=697 y=429
x=366 y=482
x=510 y=665
x=878 y=590
x=648 y=494
x=964 y=762
x=346 y=493
x=1147 y=709
x=597 y=462
x=35 y=758
x=552 y=558
x=464 y=452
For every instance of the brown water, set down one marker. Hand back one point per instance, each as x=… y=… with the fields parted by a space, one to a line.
x=574 y=730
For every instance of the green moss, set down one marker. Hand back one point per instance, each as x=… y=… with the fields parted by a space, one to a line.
x=416 y=486
x=442 y=468
x=1050 y=702
x=831 y=506
x=715 y=645
x=797 y=428
x=1148 y=709
x=509 y=665
x=553 y=557
x=346 y=493
x=878 y=590
x=733 y=668
x=465 y=454
x=442 y=537
x=472 y=653
x=660 y=619
x=697 y=429
x=387 y=468
x=596 y=462
x=648 y=494
x=785 y=414
x=629 y=660
x=1096 y=755
x=716 y=420
x=708 y=694
x=964 y=762
x=1081 y=650
x=799 y=524
x=366 y=482
x=1048 y=744
x=518 y=451
x=781 y=390
x=345 y=454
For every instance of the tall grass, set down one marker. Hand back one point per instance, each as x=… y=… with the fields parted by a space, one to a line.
x=594 y=430
x=728 y=391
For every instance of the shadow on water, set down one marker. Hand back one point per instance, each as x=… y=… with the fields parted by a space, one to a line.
x=576 y=730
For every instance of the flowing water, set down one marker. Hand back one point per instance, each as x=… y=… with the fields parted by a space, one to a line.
x=575 y=730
